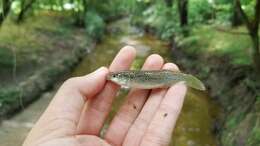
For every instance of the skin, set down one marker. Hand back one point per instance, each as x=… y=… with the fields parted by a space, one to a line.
x=78 y=111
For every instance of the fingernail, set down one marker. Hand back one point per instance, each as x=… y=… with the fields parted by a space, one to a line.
x=171 y=66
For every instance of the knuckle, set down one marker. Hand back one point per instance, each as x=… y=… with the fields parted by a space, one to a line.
x=141 y=124
x=71 y=81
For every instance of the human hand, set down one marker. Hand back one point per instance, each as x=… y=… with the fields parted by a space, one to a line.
x=78 y=111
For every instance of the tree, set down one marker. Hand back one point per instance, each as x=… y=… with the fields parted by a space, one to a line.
x=252 y=27
x=6 y=6
x=80 y=15
x=169 y=3
x=25 y=6
x=183 y=12
x=236 y=17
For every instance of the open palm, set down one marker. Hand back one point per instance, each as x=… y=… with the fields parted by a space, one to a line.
x=79 y=110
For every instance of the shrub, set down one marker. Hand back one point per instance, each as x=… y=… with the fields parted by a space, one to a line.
x=6 y=56
x=95 y=25
x=200 y=10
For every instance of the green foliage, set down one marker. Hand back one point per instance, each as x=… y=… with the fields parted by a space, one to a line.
x=207 y=40
x=249 y=6
x=254 y=138
x=107 y=9
x=6 y=56
x=94 y=24
x=224 y=13
x=9 y=95
x=200 y=11
x=161 y=18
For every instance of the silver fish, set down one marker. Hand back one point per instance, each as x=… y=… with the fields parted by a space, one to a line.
x=153 y=79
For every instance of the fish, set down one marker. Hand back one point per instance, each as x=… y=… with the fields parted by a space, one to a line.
x=150 y=79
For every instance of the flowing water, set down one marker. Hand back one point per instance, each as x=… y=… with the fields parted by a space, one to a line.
x=194 y=126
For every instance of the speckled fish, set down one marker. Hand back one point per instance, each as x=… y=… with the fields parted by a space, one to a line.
x=153 y=79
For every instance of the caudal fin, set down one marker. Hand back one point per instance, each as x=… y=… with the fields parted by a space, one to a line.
x=194 y=82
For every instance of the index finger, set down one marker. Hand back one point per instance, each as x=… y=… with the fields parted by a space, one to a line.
x=95 y=112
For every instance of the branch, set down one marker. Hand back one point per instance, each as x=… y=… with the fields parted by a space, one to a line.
x=29 y=5
x=25 y=8
x=6 y=4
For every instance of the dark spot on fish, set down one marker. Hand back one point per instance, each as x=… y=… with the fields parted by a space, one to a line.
x=165 y=115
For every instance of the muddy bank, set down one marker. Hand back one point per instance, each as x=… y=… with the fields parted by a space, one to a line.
x=234 y=87
x=16 y=98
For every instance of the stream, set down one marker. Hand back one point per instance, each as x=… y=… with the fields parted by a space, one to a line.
x=195 y=124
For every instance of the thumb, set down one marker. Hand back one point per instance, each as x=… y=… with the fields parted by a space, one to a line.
x=89 y=85
x=84 y=87
x=76 y=89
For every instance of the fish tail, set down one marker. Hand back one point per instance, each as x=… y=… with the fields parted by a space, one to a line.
x=194 y=82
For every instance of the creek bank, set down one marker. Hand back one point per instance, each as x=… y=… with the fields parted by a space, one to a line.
x=234 y=87
x=25 y=92
x=63 y=38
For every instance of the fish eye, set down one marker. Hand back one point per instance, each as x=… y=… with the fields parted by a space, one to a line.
x=113 y=75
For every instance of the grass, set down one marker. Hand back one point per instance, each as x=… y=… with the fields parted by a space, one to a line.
x=254 y=138
x=35 y=54
x=203 y=38
x=30 y=37
x=37 y=41
x=208 y=40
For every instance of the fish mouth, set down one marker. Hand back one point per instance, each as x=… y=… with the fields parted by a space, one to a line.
x=110 y=76
x=115 y=78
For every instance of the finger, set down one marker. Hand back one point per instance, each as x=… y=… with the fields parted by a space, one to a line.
x=131 y=107
x=95 y=112
x=160 y=129
x=138 y=128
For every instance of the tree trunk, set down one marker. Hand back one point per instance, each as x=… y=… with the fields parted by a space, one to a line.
x=256 y=52
x=169 y=3
x=252 y=26
x=236 y=18
x=80 y=15
x=24 y=8
x=183 y=12
x=6 y=6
